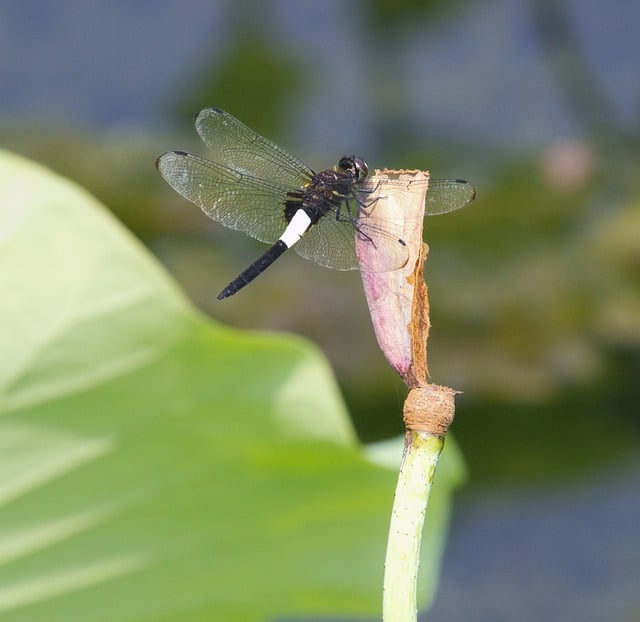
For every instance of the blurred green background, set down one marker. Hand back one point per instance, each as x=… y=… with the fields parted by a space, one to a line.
x=535 y=289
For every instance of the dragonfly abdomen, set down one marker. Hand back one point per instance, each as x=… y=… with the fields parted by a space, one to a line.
x=255 y=269
x=298 y=226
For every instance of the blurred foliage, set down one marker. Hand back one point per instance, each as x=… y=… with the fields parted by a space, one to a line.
x=384 y=17
x=574 y=77
x=273 y=86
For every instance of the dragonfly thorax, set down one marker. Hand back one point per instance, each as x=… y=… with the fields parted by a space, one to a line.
x=327 y=190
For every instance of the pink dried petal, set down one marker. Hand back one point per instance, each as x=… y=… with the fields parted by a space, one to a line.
x=397 y=297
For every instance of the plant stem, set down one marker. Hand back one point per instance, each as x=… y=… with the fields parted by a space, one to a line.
x=419 y=460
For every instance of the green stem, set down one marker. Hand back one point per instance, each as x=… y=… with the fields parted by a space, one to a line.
x=421 y=453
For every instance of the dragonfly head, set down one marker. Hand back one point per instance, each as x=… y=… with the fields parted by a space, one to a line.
x=355 y=166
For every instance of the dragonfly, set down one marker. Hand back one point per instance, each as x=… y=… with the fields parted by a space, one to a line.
x=255 y=186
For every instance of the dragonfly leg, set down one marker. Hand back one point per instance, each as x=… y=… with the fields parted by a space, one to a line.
x=345 y=212
x=369 y=190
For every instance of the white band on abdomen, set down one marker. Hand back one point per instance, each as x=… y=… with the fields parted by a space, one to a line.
x=296 y=228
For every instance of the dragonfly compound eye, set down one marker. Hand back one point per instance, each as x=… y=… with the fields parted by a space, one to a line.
x=355 y=166
x=362 y=170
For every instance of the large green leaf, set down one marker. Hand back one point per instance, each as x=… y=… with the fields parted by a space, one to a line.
x=156 y=466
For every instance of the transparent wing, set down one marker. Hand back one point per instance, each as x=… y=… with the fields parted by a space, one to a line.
x=332 y=242
x=235 y=145
x=237 y=200
x=443 y=195
x=448 y=195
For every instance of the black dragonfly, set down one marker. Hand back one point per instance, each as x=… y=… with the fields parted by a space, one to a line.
x=253 y=185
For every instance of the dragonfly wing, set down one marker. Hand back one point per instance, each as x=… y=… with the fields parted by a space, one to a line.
x=448 y=195
x=332 y=241
x=235 y=145
x=237 y=200
x=443 y=195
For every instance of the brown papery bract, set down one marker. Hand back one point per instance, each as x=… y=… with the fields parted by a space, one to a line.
x=398 y=298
